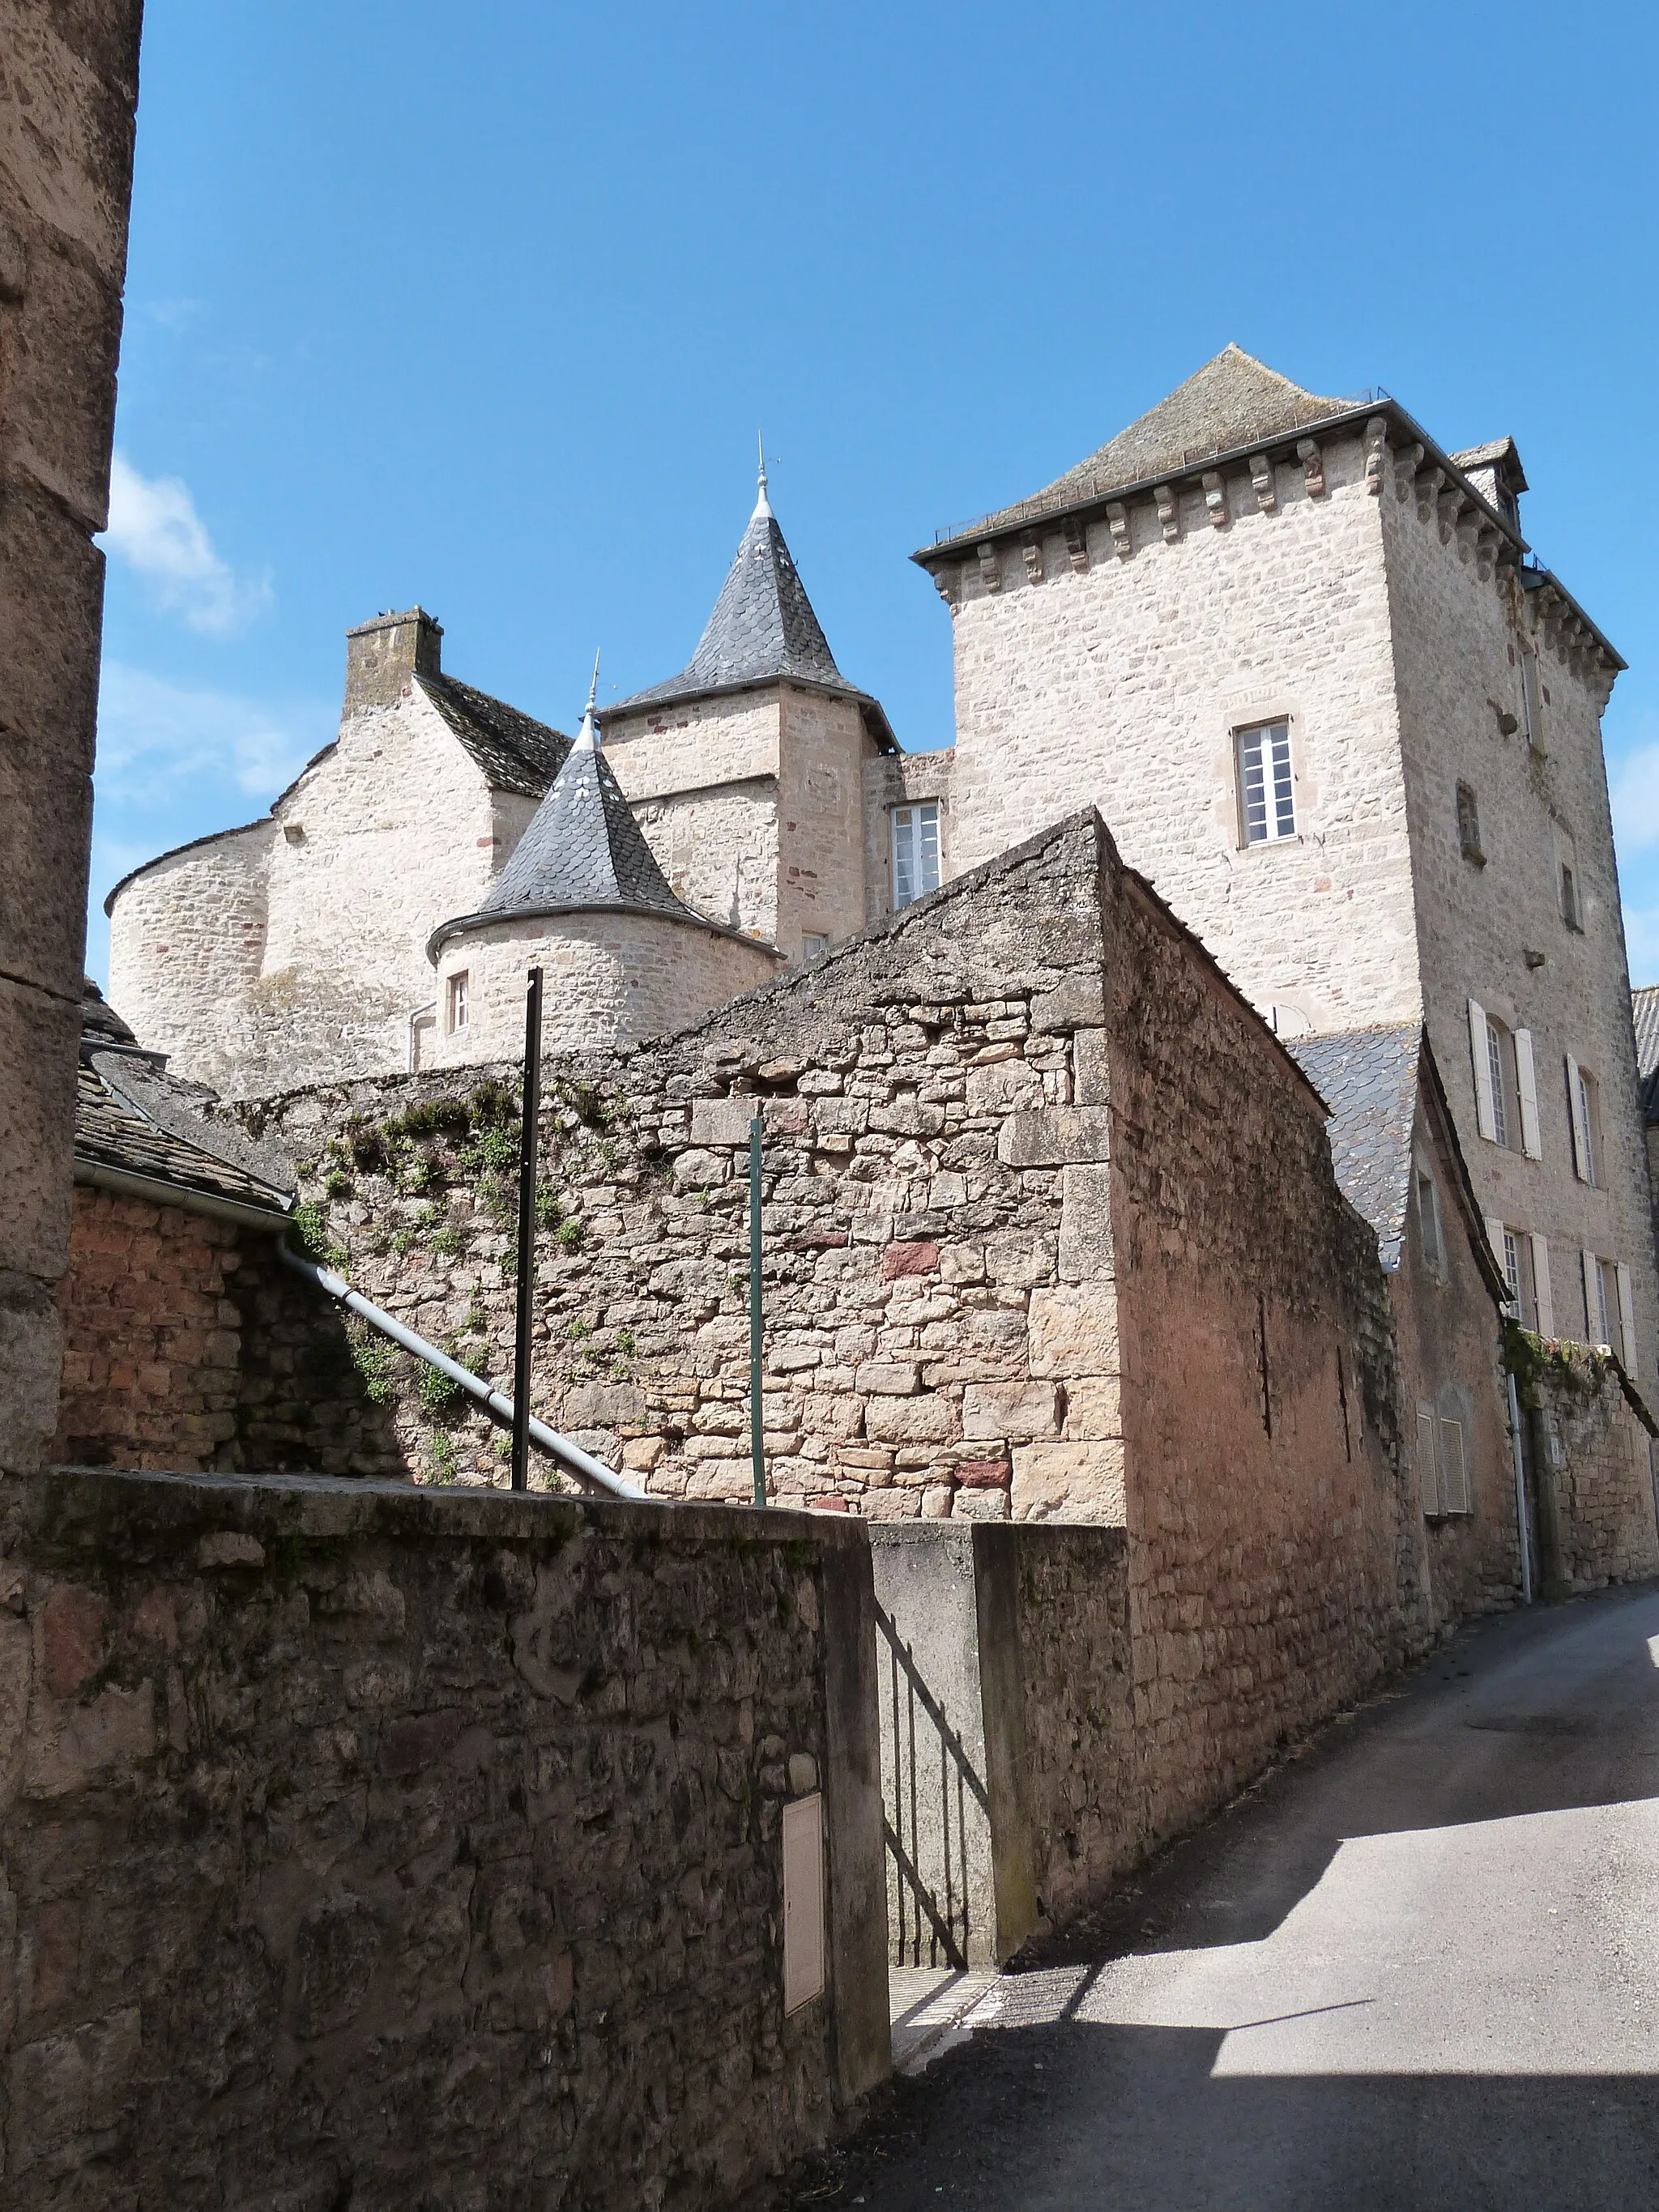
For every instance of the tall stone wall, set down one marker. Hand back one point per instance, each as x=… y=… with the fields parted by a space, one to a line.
x=1491 y=928
x=187 y=948
x=1590 y=1469
x=821 y=854
x=362 y=1844
x=68 y=87
x=702 y=775
x=1122 y=686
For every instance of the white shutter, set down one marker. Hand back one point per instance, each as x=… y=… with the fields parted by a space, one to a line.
x=1454 y=1471
x=1427 y=1473
x=1495 y=1238
x=1626 y=1320
x=1541 y=1285
x=1526 y=1078
x=1576 y=1111
x=1485 y=1117
x=1592 y=1299
x=803 y=1902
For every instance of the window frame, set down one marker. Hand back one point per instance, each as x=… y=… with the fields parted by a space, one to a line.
x=458 y=1002
x=1469 y=825
x=915 y=816
x=1274 y=829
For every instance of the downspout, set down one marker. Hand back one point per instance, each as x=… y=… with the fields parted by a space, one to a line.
x=570 y=1457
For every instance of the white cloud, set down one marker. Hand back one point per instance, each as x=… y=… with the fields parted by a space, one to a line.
x=1634 y=791
x=156 y=737
x=154 y=527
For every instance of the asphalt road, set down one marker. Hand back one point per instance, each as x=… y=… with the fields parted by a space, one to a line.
x=1418 y=1968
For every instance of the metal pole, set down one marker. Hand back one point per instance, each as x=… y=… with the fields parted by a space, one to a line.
x=527 y=1136
x=756 y=1411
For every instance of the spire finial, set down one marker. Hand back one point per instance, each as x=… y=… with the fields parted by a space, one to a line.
x=762 y=505
x=587 y=735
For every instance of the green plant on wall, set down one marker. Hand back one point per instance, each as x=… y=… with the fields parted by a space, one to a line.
x=1542 y=1365
x=444 y=1460
x=376 y=1361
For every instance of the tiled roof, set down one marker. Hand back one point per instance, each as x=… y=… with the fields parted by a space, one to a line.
x=762 y=625
x=514 y=752
x=583 y=848
x=1232 y=402
x=1644 y=1013
x=1369 y=1080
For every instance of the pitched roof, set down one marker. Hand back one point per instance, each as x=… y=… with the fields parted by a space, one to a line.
x=1369 y=1080
x=1644 y=1014
x=131 y=1118
x=762 y=626
x=516 y=752
x=1233 y=401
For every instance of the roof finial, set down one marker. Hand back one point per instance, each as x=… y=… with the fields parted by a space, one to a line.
x=587 y=735
x=762 y=505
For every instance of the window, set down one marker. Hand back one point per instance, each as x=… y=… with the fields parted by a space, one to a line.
x=1505 y=1084
x=812 y=944
x=1454 y=1469
x=1497 y=1072
x=1428 y=1224
x=456 y=1004
x=915 y=851
x=1584 y=1109
x=1468 y=825
x=1610 y=1307
x=1567 y=893
x=1442 y=1469
x=1532 y=698
x=1267 y=805
x=1570 y=913
x=1514 y=1248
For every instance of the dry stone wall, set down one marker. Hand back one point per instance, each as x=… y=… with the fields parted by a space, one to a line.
x=1590 y=1471
x=365 y=1844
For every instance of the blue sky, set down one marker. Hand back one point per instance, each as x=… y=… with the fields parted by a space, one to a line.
x=480 y=308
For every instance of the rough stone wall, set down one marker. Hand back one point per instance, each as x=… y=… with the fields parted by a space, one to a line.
x=890 y=780
x=1123 y=686
x=1266 y=1498
x=820 y=855
x=1449 y=1336
x=68 y=89
x=188 y=1348
x=187 y=948
x=1591 y=1471
x=1493 y=930
x=362 y=1844
x=718 y=847
x=611 y=980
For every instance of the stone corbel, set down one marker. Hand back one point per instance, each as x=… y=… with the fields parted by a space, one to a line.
x=1117 y=521
x=990 y=568
x=1261 y=476
x=1215 y=497
x=1377 y=454
x=1485 y=551
x=1449 y=506
x=1168 y=511
x=1427 y=487
x=1468 y=533
x=1031 y=548
x=947 y=582
x=1077 y=542
x=1407 y=463
x=1312 y=466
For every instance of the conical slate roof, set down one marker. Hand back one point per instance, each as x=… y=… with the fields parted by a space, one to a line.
x=583 y=847
x=1233 y=402
x=762 y=625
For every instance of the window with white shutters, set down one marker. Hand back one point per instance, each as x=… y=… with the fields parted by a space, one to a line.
x=1584 y=1111
x=1454 y=1469
x=1541 y=1284
x=1526 y=1089
x=1267 y=801
x=1428 y=1473
x=1626 y=1297
x=1485 y=1119
x=915 y=851
x=1495 y=1068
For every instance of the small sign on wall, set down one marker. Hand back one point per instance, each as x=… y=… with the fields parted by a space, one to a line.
x=803 y=1901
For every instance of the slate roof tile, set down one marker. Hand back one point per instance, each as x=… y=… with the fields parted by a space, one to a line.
x=1369 y=1080
x=516 y=752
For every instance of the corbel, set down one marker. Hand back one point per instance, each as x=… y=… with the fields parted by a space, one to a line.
x=1448 y=508
x=1215 y=497
x=1117 y=521
x=947 y=582
x=1485 y=550
x=1261 y=476
x=1427 y=487
x=1077 y=542
x=990 y=569
x=1407 y=463
x=1468 y=527
x=1377 y=454
x=1031 y=548
x=1312 y=466
x=1168 y=511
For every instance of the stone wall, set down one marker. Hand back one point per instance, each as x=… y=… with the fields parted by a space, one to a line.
x=68 y=91
x=701 y=776
x=362 y=1844
x=1589 y=1467
x=893 y=780
x=611 y=980
x=820 y=855
x=187 y=1346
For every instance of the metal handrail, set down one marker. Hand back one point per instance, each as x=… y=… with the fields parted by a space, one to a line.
x=572 y=1457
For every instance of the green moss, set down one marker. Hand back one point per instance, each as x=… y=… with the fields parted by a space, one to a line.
x=310 y=1229
x=570 y=1236
x=449 y=1241
x=548 y=1211
x=1540 y=1363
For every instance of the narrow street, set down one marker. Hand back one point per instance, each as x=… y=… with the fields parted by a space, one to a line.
x=1418 y=1968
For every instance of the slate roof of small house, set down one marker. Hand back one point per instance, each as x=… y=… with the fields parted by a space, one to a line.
x=133 y=1117
x=1644 y=1013
x=515 y=751
x=583 y=848
x=1234 y=401
x=1369 y=1080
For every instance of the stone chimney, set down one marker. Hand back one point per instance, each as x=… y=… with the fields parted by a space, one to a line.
x=382 y=655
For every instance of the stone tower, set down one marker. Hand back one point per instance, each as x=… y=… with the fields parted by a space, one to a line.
x=746 y=769
x=583 y=898
x=1300 y=658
